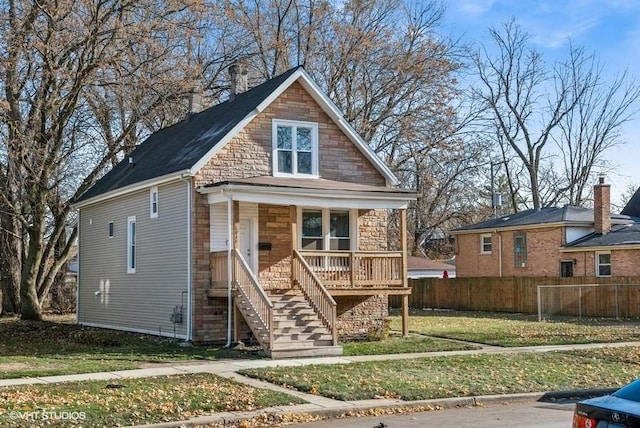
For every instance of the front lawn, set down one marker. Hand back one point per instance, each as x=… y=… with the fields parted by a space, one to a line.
x=131 y=401
x=404 y=345
x=58 y=346
x=511 y=330
x=455 y=376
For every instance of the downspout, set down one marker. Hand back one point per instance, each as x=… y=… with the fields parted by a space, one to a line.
x=499 y=254
x=189 y=260
x=229 y=266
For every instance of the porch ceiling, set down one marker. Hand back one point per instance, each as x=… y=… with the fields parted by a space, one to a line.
x=317 y=192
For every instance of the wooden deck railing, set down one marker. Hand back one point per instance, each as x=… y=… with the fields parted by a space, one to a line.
x=343 y=269
x=316 y=294
x=248 y=285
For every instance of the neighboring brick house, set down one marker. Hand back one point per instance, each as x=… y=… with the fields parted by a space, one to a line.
x=552 y=242
x=263 y=217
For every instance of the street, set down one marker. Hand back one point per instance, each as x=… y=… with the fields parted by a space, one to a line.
x=523 y=415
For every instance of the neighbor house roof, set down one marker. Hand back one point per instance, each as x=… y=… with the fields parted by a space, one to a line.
x=186 y=146
x=567 y=215
x=619 y=235
x=633 y=206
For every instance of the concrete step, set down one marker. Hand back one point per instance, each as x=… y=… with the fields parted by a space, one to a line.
x=323 y=351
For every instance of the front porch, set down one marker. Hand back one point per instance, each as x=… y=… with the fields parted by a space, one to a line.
x=284 y=287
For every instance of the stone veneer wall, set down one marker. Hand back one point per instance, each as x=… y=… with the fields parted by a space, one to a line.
x=358 y=316
x=249 y=155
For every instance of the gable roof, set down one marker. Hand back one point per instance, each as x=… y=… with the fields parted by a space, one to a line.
x=568 y=215
x=186 y=146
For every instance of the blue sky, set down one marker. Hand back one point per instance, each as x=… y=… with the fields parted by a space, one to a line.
x=609 y=28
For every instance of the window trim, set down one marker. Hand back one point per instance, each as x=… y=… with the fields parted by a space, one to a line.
x=598 y=264
x=131 y=244
x=154 y=205
x=482 y=243
x=294 y=157
x=326 y=227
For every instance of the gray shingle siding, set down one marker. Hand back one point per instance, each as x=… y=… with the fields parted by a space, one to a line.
x=144 y=300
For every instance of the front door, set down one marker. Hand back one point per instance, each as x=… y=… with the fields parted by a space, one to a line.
x=246 y=243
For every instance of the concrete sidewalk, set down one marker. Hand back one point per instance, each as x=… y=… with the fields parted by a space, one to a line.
x=316 y=404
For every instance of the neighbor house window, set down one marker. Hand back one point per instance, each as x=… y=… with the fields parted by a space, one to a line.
x=110 y=229
x=603 y=264
x=520 y=249
x=327 y=229
x=153 y=202
x=566 y=268
x=131 y=245
x=295 y=148
x=485 y=244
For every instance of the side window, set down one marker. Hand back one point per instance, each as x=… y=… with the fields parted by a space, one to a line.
x=131 y=245
x=603 y=264
x=110 y=229
x=485 y=243
x=520 y=249
x=153 y=202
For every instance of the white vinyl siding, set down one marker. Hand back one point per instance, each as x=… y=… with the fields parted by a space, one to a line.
x=218 y=230
x=144 y=301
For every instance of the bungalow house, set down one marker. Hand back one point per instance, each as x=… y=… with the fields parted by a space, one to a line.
x=552 y=242
x=262 y=218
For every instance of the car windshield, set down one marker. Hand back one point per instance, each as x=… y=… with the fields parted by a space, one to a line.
x=629 y=392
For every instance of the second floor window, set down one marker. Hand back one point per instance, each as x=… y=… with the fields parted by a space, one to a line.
x=295 y=148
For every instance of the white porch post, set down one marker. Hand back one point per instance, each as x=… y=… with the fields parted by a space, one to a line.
x=403 y=246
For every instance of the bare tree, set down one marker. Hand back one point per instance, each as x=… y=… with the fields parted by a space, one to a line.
x=531 y=105
x=65 y=65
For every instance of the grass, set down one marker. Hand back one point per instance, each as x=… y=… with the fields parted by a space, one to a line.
x=401 y=345
x=511 y=330
x=56 y=346
x=455 y=376
x=132 y=401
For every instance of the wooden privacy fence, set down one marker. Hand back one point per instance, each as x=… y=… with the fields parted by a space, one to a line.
x=521 y=295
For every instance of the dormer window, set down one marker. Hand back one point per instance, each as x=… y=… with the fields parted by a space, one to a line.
x=295 y=148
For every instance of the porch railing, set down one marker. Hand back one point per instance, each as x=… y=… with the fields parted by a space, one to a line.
x=316 y=294
x=342 y=269
x=248 y=286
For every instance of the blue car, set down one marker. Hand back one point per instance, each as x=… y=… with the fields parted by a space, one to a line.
x=618 y=410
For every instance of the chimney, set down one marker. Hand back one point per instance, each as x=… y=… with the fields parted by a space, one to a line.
x=602 y=207
x=238 y=79
x=195 y=100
